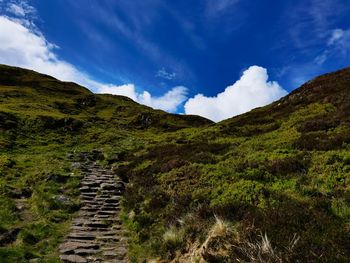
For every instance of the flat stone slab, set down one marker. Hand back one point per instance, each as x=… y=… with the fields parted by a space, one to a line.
x=73 y=259
x=70 y=246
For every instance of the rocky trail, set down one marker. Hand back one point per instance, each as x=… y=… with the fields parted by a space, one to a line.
x=96 y=233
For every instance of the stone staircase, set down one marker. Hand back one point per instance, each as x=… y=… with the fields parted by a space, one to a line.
x=96 y=233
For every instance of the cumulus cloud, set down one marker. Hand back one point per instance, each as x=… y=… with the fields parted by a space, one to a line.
x=170 y=101
x=23 y=46
x=252 y=90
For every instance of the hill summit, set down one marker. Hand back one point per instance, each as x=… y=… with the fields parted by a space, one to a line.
x=271 y=185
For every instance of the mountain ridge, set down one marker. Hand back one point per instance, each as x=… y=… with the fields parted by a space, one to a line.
x=275 y=177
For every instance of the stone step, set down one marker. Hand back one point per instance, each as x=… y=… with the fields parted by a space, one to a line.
x=87 y=198
x=117 y=253
x=90 y=209
x=111 y=192
x=82 y=236
x=88 y=189
x=111 y=210
x=105 y=212
x=91 y=203
x=115 y=205
x=95 y=230
x=113 y=200
x=85 y=251
x=110 y=253
x=70 y=246
x=88 y=194
x=108 y=238
x=98 y=224
x=73 y=259
x=103 y=217
x=91 y=183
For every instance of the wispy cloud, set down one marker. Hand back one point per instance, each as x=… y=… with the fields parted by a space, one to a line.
x=16 y=10
x=219 y=7
x=310 y=21
x=162 y=73
x=19 y=8
x=133 y=21
x=21 y=12
x=309 y=31
x=338 y=45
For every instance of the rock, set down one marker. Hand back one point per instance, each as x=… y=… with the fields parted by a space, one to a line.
x=144 y=120
x=63 y=199
x=76 y=165
x=108 y=186
x=110 y=253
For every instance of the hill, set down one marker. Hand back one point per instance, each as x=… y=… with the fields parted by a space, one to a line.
x=270 y=185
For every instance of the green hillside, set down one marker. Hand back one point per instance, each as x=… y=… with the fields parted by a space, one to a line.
x=271 y=185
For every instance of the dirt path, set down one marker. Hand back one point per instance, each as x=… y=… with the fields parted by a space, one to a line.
x=96 y=232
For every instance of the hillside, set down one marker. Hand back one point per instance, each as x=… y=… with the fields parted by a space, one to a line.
x=41 y=121
x=271 y=185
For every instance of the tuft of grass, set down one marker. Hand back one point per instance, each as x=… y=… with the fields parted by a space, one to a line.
x=173 y=238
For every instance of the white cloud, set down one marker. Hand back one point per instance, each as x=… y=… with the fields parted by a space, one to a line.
x=20 y=46
x=170 y=101
x=24 y=46
x=127 y=90
x=252 y=90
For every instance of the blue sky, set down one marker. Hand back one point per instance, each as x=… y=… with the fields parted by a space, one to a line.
x=215 y=58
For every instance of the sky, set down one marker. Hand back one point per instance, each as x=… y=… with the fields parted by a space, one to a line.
x=214 y=58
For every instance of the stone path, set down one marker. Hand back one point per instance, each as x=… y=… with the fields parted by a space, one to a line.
x=96 y=232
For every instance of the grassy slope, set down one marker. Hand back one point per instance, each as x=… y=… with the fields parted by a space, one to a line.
x=41 y=120
x=282 y=170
